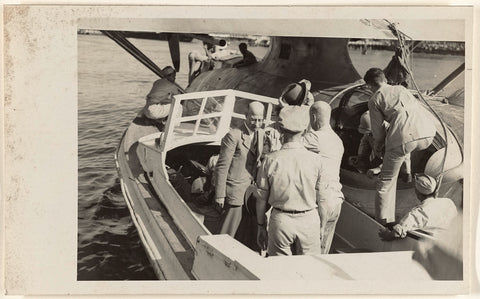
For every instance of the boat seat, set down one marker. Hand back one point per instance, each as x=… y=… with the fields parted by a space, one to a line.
x=148 y=151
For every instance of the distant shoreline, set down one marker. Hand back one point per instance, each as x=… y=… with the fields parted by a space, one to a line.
x=428 y=47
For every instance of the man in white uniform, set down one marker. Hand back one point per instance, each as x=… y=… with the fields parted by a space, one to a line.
x=321 y=139
x=433 y=212
x=410 y=129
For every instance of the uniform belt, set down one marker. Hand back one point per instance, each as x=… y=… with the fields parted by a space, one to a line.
x=292 y=212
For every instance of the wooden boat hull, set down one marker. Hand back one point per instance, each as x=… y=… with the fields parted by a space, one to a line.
x=172 y=229
x=174 y=237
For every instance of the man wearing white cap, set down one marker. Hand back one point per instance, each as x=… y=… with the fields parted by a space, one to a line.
x=433 y=212
x=289 y=180
x=160 y=96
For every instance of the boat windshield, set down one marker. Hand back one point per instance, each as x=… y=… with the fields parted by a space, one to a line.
x=207 y=116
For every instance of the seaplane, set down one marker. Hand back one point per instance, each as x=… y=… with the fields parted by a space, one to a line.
x=157 y=168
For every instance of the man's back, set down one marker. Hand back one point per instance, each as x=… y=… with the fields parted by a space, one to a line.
x=329 y=147
x=249 y=58
x=292 y=175
x=431 y=213
x=408 y=119
x=162 y=92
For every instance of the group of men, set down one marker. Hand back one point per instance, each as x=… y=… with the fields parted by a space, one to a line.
x=300 y=181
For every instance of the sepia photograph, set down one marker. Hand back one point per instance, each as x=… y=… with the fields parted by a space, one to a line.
x=226 y=150
x=232 y=155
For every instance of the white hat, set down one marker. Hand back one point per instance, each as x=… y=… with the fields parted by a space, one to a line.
x=294 y=118
x=425 y=184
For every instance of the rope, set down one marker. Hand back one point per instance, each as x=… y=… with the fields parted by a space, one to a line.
x=401 y=39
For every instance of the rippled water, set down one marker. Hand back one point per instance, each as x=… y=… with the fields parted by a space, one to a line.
x=111 y=90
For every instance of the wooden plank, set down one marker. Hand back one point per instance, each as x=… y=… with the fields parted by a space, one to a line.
x=181 y=214
x=361 y=231
x=222 y=257
x=159 y=217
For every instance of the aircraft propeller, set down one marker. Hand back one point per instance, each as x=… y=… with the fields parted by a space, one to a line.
x=174 y=46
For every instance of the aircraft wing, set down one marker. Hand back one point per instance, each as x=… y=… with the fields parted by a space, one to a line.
x=416 y=29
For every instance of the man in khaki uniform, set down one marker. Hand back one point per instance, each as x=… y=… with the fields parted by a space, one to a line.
x=410 y=129
x=289 y=180
x=321 y=139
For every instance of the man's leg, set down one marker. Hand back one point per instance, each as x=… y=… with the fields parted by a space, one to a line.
x=307 y=230
x=406 y=169
x=231 y=220
x=247 y=230
x=280 y=234
x=334 y=214
x=387 y=185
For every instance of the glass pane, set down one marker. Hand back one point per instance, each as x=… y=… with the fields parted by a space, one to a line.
x=185 y=128
x=214 y=104
x=191 y=107
x=208 y=126
x=241 y=105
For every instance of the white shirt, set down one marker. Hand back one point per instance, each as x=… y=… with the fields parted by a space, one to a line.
x=329 y=149
x=431 y=213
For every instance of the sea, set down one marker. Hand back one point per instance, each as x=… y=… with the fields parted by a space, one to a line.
x=112 y=86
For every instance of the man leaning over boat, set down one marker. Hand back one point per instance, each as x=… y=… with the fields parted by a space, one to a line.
x=160 y=97
x=433 y=212
x=410 y=129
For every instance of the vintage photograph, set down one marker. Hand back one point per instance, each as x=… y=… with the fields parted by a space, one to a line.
x=333 y=148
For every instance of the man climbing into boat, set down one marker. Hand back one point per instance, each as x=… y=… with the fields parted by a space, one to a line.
x=367 y=160
x=410 y=129
x=321 y=139
x=433 y=212
x=248 y=57
x=237 y=167
x=160 y=98
x=290 y=181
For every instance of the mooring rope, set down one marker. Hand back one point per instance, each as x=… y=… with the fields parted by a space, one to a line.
x=401 y=40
